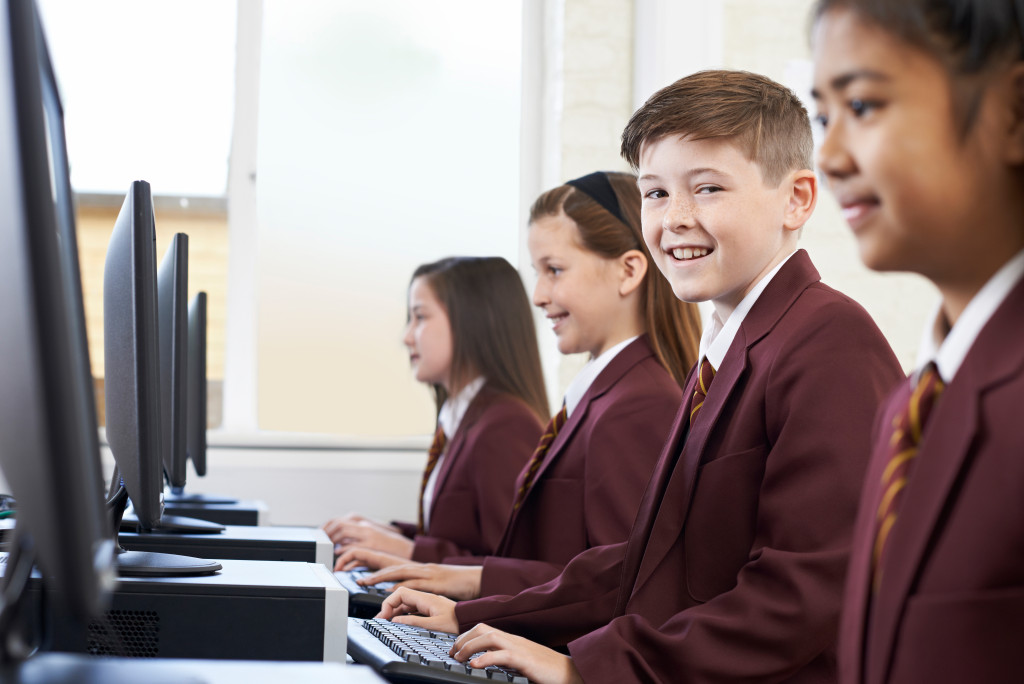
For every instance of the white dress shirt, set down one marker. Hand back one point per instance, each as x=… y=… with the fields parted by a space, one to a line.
x=948 y=347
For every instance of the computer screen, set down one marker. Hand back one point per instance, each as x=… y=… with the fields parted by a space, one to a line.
x=132 y=355
x=49 y=447
x=135 y=394
x=196 y=448
x=172 y=298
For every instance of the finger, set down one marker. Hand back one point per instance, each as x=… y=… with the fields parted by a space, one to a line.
x=475 y=633
x=352 y=556
x=423 y=585
x=419 y=621
x=500 y=657
x=402 y=601
x=395 y=573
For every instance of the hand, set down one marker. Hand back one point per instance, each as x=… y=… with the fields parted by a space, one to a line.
x=460 y=582
x=358 y=557
x=335 y=527
x=539 y=663
x=418 y=609
x=370 y=535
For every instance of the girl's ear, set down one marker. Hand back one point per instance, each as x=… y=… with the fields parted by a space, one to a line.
x=633 y=270
x=803 y=195
x=1014 y=149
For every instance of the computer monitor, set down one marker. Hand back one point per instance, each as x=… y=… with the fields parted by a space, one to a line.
x=132 y=356
x=196 y=439
x=172 y=298
x=197 y=383
x=49 y=447
x=134 y=394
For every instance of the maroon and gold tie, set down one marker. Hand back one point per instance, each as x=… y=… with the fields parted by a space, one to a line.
x=433 y=455
x=530 y=471
x=700 y=392
x=908 y=426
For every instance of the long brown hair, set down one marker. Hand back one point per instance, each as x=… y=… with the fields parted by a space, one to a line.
x=492 y=327
x=673 y=327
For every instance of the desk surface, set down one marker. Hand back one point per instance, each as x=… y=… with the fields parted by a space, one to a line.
x=54 y=668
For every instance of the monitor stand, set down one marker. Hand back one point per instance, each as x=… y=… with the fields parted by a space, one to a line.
x=179 y=496
x=172 y=524
x=150 y=564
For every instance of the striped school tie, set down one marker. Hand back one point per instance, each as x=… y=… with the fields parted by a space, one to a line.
x=908 y=426
x=433 y=455
x=700 y=392
x=556 y=423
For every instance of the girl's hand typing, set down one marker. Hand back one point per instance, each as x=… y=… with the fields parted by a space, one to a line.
x=419 y=609
x=460 y=582
x=358 y=557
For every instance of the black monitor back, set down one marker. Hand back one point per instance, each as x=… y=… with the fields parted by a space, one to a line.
x=132 y=354
x=172 y=298
x=49 y=448
x=197 y=383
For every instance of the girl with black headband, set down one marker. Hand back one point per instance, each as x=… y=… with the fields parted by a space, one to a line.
x=604 y=297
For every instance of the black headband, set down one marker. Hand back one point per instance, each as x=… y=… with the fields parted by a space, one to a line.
x=597 y=186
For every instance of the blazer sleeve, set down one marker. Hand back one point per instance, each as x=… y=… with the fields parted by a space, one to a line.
x=580 y=599
x=821 y=393
x=501 y=443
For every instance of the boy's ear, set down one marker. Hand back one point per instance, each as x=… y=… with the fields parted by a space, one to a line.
x=1014 y=148
x=803 y=196
x=634 y=268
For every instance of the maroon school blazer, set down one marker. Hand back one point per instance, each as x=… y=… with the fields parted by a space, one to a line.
x=473 y=492
x=588 y=487
x=950 y=606
x=734 y=568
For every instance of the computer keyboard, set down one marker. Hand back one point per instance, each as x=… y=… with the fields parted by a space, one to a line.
x=402 y=653
x=363 y=601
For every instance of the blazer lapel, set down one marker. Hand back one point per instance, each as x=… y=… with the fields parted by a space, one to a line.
x=943 y=455
x=606 y=379
x=650 y=504
x=671 y=515
x=858 y=582
x=633 y=354
x=455 y=445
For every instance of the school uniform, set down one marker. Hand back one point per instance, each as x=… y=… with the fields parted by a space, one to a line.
x=734 y=567
x=587 y=488
x=946 y=601
x=473 y=484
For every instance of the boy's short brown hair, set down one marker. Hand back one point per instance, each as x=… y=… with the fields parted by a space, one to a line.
x=766 y=119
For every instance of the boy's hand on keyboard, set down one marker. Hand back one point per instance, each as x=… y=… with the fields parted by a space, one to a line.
x=358 y=557
x=460 y=582
x=539 y=663
x=419 y=609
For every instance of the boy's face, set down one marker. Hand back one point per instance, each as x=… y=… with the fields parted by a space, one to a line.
x=713 y=227
x=918 y=195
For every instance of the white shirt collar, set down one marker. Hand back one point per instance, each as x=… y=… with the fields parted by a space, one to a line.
x=453 y=410
x=948 y=350
x=718 y=335
x=585 y=378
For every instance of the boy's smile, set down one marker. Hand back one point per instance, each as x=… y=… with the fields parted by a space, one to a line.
x=713 y=227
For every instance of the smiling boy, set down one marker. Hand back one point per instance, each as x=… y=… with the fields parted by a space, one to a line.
x=734 y=567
